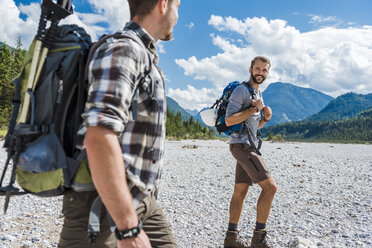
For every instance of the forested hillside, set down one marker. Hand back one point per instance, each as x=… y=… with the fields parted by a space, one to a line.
x=189 y=129
x=173 y=106
x=345 y=106
x=357 y=129
x=10 y=65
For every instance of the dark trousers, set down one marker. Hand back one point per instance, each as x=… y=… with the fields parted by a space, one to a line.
x=76 y=207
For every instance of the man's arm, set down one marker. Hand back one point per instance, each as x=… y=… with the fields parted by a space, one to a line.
x=239 y=117
x=108 y=173
x=267 y=116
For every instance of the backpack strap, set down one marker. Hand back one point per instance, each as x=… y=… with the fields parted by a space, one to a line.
x=94 y=220
x=145 y=74
x=257 y=148
x=251 y=91
x=94 y=223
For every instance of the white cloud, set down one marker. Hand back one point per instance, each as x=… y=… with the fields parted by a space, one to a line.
x=319 y=19
x=190 y=25
x=116 y=12
x=92 y=30
x=91 y=18
x=193 y=98
x=324 y=21
x=160 y=47
x=12 y=26
x=329 y=59
x=115 y=15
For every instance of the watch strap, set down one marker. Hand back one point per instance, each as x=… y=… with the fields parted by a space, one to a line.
x=128 y=233
x=264 y=119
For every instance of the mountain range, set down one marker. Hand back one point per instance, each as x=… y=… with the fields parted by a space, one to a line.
x=287 y=101
x=306 y=114
x=293 y=103
x=354 y=129
x=348 y=118
x=192 y=112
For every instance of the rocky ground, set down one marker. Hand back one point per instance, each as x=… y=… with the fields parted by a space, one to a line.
x=324 y=197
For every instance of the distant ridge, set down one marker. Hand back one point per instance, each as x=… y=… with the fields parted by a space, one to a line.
x=192 y=112
x=345 y=106
x=290 y=103
x=293 y=103
x=173 y=106
x=198 y=117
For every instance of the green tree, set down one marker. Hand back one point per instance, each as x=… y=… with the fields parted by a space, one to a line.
x=11 y=61
x=5 y=84
x=189 y=129
x=18 y=56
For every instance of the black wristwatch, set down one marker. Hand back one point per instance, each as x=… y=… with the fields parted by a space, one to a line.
x=264 y=119
x=129 y=233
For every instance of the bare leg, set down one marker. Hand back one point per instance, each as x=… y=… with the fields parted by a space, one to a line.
x=237 y=200
x=265 y=200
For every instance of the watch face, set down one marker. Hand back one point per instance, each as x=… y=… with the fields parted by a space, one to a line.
x=135 y=231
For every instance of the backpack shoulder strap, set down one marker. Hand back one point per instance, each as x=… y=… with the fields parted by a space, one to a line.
x=104 y=38
x=248 y=85
x=146 y=73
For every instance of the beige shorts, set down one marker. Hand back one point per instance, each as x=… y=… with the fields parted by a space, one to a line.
x=250 y=167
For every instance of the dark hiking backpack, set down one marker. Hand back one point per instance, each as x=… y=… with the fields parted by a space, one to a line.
x=42 y=148
x=221 y=106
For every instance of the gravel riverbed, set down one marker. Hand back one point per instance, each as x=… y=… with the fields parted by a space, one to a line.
x=324 y=197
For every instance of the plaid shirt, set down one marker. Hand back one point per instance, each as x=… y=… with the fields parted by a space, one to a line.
x=115 y=71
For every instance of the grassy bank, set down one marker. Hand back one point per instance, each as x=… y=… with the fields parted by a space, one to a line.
x=3 y=132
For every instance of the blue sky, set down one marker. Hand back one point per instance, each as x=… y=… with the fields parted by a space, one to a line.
x=325 y=45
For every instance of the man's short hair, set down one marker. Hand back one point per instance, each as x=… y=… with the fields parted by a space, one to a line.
x=262 y=58
x=142 y=8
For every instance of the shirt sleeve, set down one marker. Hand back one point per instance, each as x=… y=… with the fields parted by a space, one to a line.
x=113 y=75
x=239 y=99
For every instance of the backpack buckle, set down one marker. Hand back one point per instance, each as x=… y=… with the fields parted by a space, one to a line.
x=92 y=237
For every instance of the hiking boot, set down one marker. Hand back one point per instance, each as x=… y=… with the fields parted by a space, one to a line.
x=259 y=239
x=233 y=240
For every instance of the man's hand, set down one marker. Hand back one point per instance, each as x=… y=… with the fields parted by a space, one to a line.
x=258 y=104
x=267 y=113
x=141 y=241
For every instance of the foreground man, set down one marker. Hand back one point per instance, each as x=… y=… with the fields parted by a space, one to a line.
x=125 y=137
x=250 y=167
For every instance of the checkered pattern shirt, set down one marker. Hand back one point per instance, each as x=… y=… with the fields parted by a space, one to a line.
x=115 y=71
